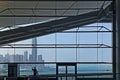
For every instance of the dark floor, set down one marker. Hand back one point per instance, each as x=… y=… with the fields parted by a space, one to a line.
x=56 y=79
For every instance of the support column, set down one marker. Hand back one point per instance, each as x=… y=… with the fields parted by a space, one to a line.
x=114 y=40
x=118 y=39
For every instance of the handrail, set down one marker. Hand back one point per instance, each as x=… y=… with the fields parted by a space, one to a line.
x=55 y=62
x=60 y=75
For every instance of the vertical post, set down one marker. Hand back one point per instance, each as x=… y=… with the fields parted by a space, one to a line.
x=66 y=72
x=56 y=71
x=118 y=39
x=76 y=71
x=114 y=39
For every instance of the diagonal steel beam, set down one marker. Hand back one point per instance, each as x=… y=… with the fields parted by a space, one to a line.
x=51 y=24
x=47 y=28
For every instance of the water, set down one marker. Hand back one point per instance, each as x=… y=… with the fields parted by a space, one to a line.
x=81 y=69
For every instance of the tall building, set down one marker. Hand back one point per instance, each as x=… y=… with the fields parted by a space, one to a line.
x=30 y=58
x=34 y=50
x=25 y=56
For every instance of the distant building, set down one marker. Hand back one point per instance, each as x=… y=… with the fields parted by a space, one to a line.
x=18 y=58
x=41 y=66
x=7 y=58
x=11 y=58
x=30 y=58
x=25 y=57
x=34 y=50
x=40 y=58
x=1 y=58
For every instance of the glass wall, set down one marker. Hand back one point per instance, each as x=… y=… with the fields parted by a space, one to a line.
x=90 y=45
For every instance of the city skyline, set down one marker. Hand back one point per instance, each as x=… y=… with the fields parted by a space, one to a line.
x=25 y=57
x=19 y=58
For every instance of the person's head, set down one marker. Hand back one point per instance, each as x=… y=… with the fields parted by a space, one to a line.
x=34 y=68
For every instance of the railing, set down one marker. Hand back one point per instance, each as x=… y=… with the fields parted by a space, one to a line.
x=57 y=77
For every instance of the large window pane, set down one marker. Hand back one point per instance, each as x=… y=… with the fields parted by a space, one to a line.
x=66 y=55
x=94 y=55
x=94 y=68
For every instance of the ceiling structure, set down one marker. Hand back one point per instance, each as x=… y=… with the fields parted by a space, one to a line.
x=21 y=20
x=23 y=12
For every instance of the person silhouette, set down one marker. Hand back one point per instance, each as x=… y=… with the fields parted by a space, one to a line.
x=35 y=72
